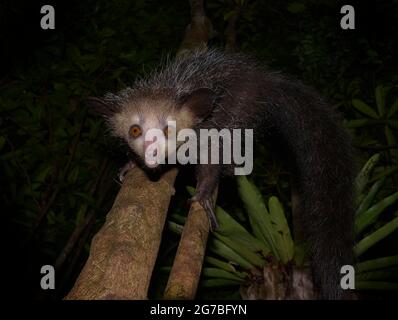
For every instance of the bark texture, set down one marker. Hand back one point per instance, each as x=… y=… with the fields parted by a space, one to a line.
x=123 y=252
x=185 y=273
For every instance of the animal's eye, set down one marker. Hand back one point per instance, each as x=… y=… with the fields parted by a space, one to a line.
x=167 y=131
x=135 y=131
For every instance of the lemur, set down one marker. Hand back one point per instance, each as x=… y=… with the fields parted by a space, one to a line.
x=215 y=89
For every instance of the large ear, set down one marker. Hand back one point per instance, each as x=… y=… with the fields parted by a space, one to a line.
x=200 y=103
x=101 y=106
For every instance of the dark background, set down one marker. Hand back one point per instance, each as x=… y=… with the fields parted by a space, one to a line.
x=52 y=151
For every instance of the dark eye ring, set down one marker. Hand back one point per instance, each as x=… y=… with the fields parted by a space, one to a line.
x=135 y=131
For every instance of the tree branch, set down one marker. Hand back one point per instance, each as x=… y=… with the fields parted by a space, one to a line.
x=123 y=252
x=185 y=273
x=198 y=32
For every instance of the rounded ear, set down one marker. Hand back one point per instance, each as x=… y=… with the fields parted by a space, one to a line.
x=200 y=102
x=101 y=106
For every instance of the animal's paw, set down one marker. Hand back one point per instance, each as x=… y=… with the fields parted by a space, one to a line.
x=126 y=168
x=208 y=205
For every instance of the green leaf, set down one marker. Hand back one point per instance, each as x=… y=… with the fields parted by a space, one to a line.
x=379 y=263
x=282 y=231
x=178 y=218
x=219 y=248
x=73 y=175
x=106 y=32
x=244 y=251
x=364 y=176
x=43 y=173
x=212 y=283
x=225 y=266
x=375 y=285
x=220 y=273
x=386 y=172
x=80 y=215
x=130 y=56
x=380 y=100
x=389 y=135
x=228 y=15
x=191 y=190
x=370 y=215
x=230 y=228
x=165 y=269
x=393 y=109
x=364 y=108
x=387 y=274
x=175 y=227
x=358 y=123
x=259 y=216
x=368 y=199
x=376 y=236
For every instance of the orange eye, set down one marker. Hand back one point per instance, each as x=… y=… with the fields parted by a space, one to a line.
x=135 y=131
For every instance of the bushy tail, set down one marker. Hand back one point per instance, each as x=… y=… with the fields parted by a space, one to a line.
x=323 y=158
